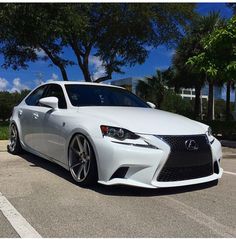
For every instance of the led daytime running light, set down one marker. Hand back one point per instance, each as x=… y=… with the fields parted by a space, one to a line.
x=118 y=133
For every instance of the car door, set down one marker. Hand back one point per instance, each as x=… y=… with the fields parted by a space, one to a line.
x=53 y=125
x=28 y=118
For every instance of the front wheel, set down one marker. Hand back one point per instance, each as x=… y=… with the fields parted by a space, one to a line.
x=82 y=161
x=14 y=146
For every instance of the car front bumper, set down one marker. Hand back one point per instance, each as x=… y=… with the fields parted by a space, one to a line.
x=141 y=164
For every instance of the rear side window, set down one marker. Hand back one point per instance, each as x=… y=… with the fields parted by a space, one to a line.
x=35 y=96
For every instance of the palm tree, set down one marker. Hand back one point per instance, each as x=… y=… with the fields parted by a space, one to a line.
x=185 y=75
x=152 y=88
x=208 y=24
x=192 y=45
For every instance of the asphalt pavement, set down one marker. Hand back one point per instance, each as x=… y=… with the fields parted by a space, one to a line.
x=41 y=196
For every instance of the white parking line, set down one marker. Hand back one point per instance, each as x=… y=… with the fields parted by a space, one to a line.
x=230 y=173
x=18 y=222
x=201 y=218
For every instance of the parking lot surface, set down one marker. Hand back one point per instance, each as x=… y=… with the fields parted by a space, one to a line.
x=40 y=196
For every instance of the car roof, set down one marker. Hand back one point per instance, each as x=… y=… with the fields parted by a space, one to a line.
x=80 y=83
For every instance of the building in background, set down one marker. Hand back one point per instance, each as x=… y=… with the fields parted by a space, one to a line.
x=189 y=93
x=131 y=83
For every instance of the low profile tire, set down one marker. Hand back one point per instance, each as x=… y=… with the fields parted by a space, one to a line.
x=14 y=146
x=82 y=161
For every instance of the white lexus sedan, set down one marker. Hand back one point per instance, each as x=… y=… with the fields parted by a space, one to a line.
x=106 y=134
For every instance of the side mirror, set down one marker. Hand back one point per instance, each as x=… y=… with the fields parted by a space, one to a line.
x=151 y=104
x=51 y=102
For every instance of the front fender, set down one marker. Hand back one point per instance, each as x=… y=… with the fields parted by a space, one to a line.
x=88 y=135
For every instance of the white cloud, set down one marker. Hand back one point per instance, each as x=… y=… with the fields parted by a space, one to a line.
x=3 y=84
x=39 y=78
x=98 y=67
x=18 y=86
x=172 y=52
x=39 y=82
x=164 y=51
x=40 y=53
x=162 y=67
x=54 y=77
x=148 y=48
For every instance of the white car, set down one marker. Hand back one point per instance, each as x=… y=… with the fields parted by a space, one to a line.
x=106 y=134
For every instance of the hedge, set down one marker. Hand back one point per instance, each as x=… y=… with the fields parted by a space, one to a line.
x=223 y=129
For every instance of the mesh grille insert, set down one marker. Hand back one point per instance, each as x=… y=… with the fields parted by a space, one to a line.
x=184 y=164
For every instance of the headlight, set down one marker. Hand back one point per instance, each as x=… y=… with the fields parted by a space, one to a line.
x=209 y=132
x=118 y=133
x=210 y=135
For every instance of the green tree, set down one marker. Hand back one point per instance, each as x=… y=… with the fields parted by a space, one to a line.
x=174 y=103
x=8 y=101
x=26 y=29
x=185 y=75
x=117 y=33
x=221 y=46
x=218 y=58
x=206 y=24
x=5 y=105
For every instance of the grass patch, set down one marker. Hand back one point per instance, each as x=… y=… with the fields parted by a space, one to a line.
x=4 y=130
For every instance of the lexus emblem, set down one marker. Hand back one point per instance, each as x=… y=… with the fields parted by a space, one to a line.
x=191 y=144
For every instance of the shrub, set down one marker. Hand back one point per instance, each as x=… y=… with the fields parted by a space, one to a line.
x=4 y=130
x=174 y=103
x=223 y=129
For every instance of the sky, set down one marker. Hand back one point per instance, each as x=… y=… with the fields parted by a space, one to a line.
x=159 y=58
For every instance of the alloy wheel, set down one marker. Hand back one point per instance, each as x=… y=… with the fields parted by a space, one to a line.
x=79 y=157
x=13 y=138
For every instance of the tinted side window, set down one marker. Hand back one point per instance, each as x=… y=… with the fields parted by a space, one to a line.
x=35 y=96
x=56 y=91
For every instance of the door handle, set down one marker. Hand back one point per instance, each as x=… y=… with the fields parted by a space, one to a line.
x=35 y=115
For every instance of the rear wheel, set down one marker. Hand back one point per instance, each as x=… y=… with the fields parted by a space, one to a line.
x=14 y=146
x=82 y=162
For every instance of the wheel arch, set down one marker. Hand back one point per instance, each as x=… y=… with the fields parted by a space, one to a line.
x=90 y=140
x=17 y=124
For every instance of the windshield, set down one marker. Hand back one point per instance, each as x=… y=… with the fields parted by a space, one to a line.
x=93 y=95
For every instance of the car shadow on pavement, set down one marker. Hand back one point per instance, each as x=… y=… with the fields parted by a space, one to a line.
x=116 y=190
x=47 y=165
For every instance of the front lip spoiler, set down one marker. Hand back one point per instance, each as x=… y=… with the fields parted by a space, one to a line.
x=188 y=182
x=156 y=184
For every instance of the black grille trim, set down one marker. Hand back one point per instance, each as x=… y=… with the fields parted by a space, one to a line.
x=184 y=164
x=216 y=168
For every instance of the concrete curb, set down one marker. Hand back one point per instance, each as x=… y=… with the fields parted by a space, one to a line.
x=3 y=145
x=228 y=143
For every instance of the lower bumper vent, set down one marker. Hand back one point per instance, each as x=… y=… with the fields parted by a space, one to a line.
x=185 y=173
x=120 y=173
x=216 y=168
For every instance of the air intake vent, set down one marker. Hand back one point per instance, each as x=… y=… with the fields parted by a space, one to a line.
x=216 y=168
x=120 y=173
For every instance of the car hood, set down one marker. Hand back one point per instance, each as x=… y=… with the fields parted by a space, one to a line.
x=144 y=120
